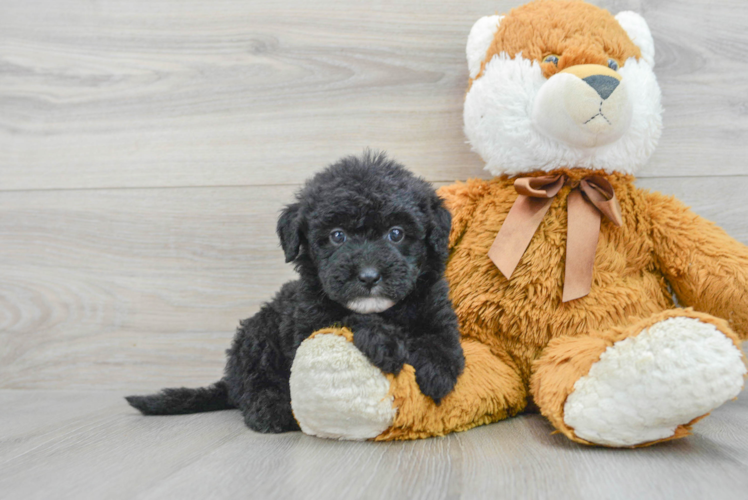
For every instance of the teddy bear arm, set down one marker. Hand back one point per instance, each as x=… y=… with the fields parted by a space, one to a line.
x=707 y=269
x=488 y=390
x=337 y=393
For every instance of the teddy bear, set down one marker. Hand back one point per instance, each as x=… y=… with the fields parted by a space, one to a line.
x=615 y=312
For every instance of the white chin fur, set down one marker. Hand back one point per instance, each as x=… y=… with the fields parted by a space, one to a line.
x=369 y=305
x=498 y=117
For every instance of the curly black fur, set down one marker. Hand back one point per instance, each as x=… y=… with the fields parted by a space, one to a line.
x=364 y=198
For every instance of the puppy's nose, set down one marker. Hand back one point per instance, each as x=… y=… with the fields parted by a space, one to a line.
x=369 y=276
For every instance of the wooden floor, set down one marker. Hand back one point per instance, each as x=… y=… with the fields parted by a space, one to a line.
x=89 y=445
x=146 y=148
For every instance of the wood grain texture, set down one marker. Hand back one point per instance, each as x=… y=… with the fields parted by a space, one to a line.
x=97 y=447
x=142 y=288
x=115 y=287
x=146 y=148
x=164 y=93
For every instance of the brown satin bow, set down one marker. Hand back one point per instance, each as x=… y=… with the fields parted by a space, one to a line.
x=594 y=195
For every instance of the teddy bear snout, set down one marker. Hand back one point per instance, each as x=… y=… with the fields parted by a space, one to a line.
x=584 y=106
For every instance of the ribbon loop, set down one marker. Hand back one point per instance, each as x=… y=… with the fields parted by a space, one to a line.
x=546 y=186
x=600 y=193
x=587 y=202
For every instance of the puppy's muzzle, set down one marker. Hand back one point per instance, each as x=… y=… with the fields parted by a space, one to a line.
x=370 y=277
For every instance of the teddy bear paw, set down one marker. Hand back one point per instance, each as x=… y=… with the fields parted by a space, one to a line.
x=336 y=392
x=644 y=387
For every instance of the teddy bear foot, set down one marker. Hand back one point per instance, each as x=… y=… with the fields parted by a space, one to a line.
x=650 y=387
x=336 y=392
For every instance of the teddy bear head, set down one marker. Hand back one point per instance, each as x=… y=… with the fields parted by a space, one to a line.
x=562 y=84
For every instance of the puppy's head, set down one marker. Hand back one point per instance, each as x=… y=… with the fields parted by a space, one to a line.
x=367 y=231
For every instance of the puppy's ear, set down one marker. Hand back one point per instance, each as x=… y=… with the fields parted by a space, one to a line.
x=441 y=224
x=289 y=231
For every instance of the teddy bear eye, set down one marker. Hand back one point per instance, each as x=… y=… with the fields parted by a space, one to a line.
x=396 y=234
x=337 y=237
x=612 y=64
x=551 y=59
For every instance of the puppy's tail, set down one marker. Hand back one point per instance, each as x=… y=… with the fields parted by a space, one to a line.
x=182 y=400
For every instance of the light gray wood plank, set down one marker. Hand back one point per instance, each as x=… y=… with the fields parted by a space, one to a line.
x=92 y=445
x=136 y=289
x=141 y=93
x=142 y=288
x=531 y=463
x=312 y=468
x=100 y=448
x=719 y=199
x=131 y=288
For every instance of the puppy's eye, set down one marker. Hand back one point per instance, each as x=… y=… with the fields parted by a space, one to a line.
x=552 y=58
x=396 y=235
x=612 y=64
x=337 y=236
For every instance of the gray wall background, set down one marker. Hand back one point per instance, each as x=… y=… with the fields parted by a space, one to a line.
x=147 y=146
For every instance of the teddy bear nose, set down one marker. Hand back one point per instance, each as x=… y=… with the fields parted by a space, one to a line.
x=603 y=85
x=369 y=276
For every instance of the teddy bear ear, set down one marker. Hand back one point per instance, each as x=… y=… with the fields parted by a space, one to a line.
x=479 y=39
x=638 y=31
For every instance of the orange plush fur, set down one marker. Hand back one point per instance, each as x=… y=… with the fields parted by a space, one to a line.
x=573 y=30
x=523 y=344
x=539 y=346
x=524 y=347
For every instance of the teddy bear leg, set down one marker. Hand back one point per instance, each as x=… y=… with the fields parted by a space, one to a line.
x=641 y=384
x=336 y=393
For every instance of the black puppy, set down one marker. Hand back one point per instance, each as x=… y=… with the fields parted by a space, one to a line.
x=369 y=240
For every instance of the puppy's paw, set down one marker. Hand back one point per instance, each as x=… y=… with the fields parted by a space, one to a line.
x=437 y=372
x=388 y=355
x=381 y=345
x=270 y=413
x=434 y=382
x=284 y=423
